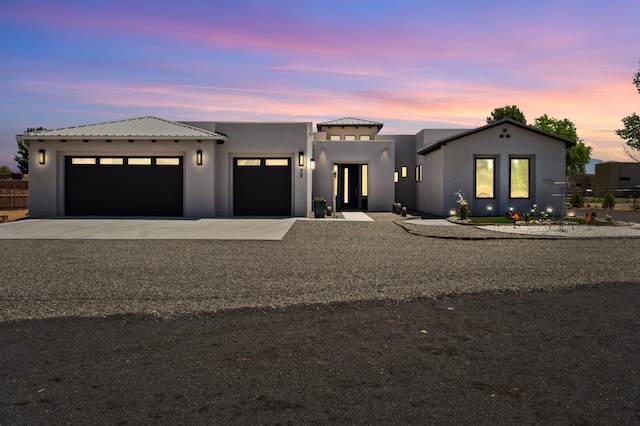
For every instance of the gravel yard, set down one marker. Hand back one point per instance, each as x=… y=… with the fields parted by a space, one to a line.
x=338 y=323
x=316 y=262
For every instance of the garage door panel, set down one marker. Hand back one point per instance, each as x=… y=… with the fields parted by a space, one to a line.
x=262 y=190
x=123 y=190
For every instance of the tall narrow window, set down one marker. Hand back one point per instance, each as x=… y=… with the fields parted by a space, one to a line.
x=346 y=185
x=519 y=177
x=485 y=177
x=365 y=180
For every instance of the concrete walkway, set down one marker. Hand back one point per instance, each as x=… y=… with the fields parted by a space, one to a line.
x=356 y=217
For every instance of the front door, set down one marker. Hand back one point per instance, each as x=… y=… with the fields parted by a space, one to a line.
x=351 y=194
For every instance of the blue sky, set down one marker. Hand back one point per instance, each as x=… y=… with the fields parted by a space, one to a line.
x=410 y=64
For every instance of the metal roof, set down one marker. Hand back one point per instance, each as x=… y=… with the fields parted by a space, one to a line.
x=350 y=121
x=437 y=144
x=135 y=128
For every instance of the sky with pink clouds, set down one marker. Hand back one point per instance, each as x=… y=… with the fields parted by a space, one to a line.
x=411 y=64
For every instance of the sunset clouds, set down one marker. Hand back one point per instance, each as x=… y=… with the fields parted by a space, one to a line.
x=409 y=64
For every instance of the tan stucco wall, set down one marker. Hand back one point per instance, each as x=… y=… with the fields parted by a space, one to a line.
x=429 y=192
x=343 y=131
x=617 y=175
x=378 y=155
x=457 y=159
x=46 y=193
x=405 y=188
x=277 y=140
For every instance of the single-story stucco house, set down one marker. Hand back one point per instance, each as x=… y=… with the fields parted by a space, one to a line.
x=154 y=167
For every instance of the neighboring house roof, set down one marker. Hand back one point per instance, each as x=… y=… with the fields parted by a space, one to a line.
x=437 y=144
x=135 y=128
x=349 y=121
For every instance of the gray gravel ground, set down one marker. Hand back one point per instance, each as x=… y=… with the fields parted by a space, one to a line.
x=316 y=262
x=176 y=355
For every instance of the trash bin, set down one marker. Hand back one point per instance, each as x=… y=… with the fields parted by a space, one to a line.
x=319 y=207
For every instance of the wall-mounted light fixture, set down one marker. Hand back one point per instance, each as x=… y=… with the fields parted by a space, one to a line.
x=395 y=177
x=404 y=171
x=312 y=164
x=199 y=157
x=489 y=208
x=41 y=156
x=301 y=161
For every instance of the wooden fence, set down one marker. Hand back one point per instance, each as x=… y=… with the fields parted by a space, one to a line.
x=14 y=199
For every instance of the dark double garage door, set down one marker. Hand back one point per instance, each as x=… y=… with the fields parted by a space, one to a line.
x=153 y=186
x=124 y=186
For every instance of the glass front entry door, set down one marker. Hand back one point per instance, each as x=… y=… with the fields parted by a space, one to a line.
x=352 y=186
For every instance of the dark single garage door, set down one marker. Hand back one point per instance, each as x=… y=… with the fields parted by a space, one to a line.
x=262 y=187
x=123 y=186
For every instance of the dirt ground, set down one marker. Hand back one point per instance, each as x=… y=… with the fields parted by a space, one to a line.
x=511 y=358
x=14 y=214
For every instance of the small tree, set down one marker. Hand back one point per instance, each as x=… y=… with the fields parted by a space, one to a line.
x=579 y=155
x=631 y=131
x=512 y=112
x=22 y=158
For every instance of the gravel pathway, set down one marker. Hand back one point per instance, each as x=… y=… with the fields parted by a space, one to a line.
x=441 y=228
x=317 y=262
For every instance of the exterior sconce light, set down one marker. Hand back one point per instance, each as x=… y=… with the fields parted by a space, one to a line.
x=404 y=171
x=301 y=161
x=510 y=208
x=199 y=157
x=549 y=210
x=489 y=209
x=395 y=177
x=41 y=156
x=312 y=164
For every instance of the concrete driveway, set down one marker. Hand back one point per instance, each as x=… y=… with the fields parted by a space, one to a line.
x=146 y=229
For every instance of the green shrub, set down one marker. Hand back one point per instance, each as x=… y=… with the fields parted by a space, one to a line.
x=608 y=201
x=577 y=200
